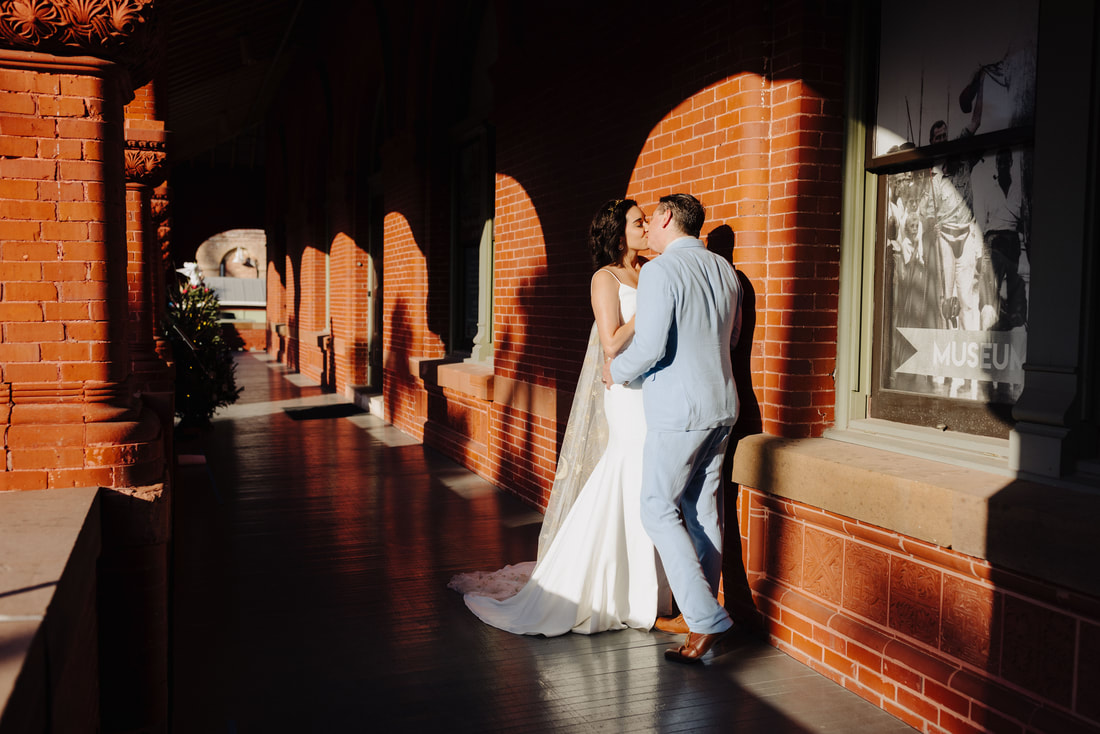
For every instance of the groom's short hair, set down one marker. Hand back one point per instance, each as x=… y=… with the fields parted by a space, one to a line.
x=687 y=212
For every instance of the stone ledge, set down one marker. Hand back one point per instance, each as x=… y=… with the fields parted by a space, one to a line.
x=49 y=541
x=468 y=378
x=472 y=379
x=322 y=339
x=536 y=400
x=1037 y=529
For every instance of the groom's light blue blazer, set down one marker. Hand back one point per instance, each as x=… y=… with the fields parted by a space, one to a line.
x=688 y=317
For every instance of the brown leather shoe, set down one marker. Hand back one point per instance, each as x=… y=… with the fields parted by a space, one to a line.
x=672 y=625
x=694 y=648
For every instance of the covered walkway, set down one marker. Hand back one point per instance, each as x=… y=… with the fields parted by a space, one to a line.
x=312 y=547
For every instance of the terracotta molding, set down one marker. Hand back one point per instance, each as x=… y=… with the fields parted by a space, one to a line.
x=5 y=405
x=114 y=75
x=40 y=61
x=107 y=402
x=159 y=209
x=43 y=392
x=145 y=162
x=117 y=30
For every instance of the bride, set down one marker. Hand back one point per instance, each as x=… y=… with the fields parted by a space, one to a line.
x=597 y=569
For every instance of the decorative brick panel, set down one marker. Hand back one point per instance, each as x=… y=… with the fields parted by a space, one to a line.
x=966 y=626
x=785 y=549
x=914 y=600
x=921 y=631
x=866 y=582
x=823 y=565
x=1037 y=643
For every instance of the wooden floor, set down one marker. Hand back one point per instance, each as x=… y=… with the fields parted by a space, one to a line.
x=313 y=545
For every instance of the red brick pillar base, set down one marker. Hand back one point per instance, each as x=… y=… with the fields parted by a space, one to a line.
x=133 y=610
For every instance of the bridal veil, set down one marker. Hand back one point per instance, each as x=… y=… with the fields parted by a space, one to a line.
x=583 y=445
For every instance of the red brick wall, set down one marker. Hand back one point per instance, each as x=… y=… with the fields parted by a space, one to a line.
x=763 y=155
x=941 y=640
x=291 y=294
x=350 y=282
x=246 y=336
x=276 y=312
x=404 y=325
x=804 y=220
x=342 y=263
x=457 y=425
x=523 y=443
x=761 y=151
x=137 y=291
x=143 y=107
x=748 y=119
x=310 y=309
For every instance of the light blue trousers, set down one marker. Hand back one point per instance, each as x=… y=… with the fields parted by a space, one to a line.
x=682 y=512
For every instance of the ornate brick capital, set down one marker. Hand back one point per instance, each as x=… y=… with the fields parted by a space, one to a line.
x=145 y=162
x=123 y=31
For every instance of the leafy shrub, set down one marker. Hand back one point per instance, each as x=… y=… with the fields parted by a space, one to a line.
x=205 y=371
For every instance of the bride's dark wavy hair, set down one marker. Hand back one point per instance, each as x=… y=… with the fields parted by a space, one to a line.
x=605 y=235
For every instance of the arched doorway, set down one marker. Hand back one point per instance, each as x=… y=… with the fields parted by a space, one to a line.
x=234 y=265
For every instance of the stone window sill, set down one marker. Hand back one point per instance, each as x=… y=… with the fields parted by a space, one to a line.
x=322 y=338
x=472 y=379
x=1035 y=528
x=973 y=452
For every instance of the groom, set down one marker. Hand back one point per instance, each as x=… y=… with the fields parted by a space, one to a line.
x=688 y=316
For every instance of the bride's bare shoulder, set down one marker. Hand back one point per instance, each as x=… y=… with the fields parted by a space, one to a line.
x=602 y=273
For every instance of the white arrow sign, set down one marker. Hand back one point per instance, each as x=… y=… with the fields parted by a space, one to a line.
x=976 y=355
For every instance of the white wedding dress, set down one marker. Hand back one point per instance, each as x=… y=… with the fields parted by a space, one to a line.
x=600 y=572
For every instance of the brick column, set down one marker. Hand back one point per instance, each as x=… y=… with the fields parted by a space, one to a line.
x=152 y=371
x=163 y=267
x=70 y=415
x=69 y=412
x=64 y=351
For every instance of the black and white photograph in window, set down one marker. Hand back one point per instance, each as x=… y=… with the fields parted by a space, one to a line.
x=948 y=70
x=955 y=234
x=957 y=265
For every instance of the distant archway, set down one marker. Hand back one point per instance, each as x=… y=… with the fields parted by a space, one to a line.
x=234 y=265
x=235 y=253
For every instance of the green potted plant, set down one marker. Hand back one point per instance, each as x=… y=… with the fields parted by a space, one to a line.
x=205 y=370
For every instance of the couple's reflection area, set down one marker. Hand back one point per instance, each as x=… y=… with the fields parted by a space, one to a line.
x=620 y=682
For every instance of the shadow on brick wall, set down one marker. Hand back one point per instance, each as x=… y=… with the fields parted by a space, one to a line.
x=735 y=584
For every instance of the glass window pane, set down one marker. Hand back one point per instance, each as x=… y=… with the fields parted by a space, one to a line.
x=955 y=277
x=948 y=69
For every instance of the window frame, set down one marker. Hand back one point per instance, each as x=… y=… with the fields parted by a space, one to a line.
x=479 y=140
x=981 y=418
x=1054 y=435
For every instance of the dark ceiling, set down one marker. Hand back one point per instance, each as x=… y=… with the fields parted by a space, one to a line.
x=223 y=62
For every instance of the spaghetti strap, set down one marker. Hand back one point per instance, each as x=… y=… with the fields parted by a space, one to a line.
x=612 y=274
